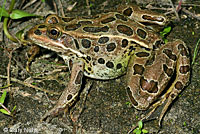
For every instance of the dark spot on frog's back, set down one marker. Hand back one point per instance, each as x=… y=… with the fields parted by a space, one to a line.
x=109 y=64
x=88 y=58
x=96 y=49
x=119 y=65
x=142 y=54
x=89 y=69
x=72 y=27
x=103 y=40
x=125 y=30
x=67 y=19
x=158 y=44
x=121 y=17
x=86 y=43
x=105 y=29
x=124 y=43
x=111 y=47
x=147 y=17
x=131 y=48
x=141 y=33
x=85 y=22
x=150 y=60
x=76 y=44
x=128 y=11
x=101 y=61
x=107 y=20
x=96 y=29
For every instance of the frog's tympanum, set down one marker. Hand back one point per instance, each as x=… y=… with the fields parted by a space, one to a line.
x=113 y=44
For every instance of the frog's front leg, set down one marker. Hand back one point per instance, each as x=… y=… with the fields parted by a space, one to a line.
x=71 y=91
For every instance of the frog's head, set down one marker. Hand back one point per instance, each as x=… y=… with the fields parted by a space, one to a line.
x=51 y=35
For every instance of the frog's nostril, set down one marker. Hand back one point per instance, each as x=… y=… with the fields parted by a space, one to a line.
x=26 y=36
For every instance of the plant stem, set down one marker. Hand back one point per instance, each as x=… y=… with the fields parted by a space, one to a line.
x=5 y=23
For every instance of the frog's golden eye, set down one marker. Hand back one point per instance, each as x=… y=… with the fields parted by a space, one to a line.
x=54 y=33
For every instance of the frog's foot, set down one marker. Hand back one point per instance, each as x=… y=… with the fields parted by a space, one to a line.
x=61 y=107
x=58 y=109
x=63 y=104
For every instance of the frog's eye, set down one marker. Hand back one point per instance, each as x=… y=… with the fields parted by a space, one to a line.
x=54 y=33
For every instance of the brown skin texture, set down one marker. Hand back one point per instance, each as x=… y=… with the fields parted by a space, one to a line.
x=105 y=108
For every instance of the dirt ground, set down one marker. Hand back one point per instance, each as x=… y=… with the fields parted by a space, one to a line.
x=106 y=109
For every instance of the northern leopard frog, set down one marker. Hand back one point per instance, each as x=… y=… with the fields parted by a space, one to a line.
x=112 y=44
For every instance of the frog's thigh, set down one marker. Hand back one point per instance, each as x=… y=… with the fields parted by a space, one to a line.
x=148 y=76
x=136 y=68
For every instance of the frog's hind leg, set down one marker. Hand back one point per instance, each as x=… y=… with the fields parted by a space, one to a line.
x=149 y=74
x=178 y=53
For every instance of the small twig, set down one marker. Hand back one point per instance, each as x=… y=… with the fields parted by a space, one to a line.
x=150 y=7
x=8 y=69
x=5 y=108
x=61 y=8
x=8 y=72
x=55 y=7
x=88 y=7
x=190 y=14
x=70 y=7
x=29 y=4
x=39 y=6
x=179 y=6
x=132 y=129
x=29 y=85
x=188 y=4
x=21 y=4
x=174 y=9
